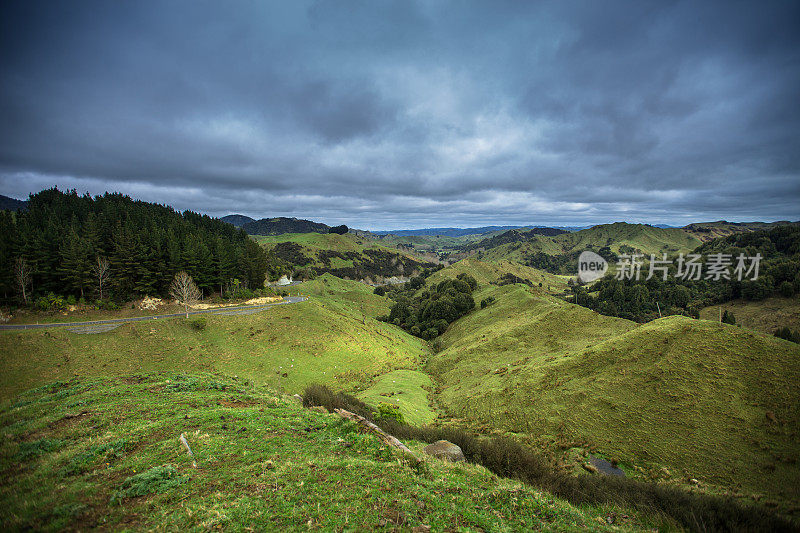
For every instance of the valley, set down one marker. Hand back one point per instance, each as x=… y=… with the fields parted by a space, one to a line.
x=678 y=403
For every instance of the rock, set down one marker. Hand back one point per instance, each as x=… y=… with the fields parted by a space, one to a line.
x=445 y=450
x=319 y=409
x=298 y=398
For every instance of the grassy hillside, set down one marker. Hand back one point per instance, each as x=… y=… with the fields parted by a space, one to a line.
x=619 y=238
x=706 y=231
x=640 y=237
x=708 y=401
x=106 y=454
x=486 y=272
x=764 y=315
x=333 y=337
x=345 y=256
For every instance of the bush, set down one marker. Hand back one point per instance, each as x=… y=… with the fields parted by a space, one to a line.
x=199 y=323
x=486 y=302
x=389 y=411
x=107 y=305
x=380 y=291
x=51 y=302
x=71 y=300
x=728 y=318
x=786 y=289
x=787 y=334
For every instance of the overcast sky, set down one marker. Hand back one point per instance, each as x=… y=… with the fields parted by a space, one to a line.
x=403 y=114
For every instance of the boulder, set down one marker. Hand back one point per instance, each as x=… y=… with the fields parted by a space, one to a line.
x=445 y=450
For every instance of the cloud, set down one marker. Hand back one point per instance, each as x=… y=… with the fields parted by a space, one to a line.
x=388 y=114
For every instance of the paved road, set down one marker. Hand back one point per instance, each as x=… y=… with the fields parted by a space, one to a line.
x=225 y=310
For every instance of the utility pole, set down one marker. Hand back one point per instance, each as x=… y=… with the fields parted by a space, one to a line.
x=720 y=314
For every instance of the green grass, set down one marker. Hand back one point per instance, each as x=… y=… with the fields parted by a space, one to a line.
x=331 y=338
x=264 y=463
x=407 y=389
x=694 y=396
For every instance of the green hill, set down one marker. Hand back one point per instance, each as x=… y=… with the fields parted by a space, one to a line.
x=621 y=236
x=105 y=454
x=560 y=253
x=706 y=231
x=345 y=256
x=486 y=272
x=333 y=337
x=707 y=401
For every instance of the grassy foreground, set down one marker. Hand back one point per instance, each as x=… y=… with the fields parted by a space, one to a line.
x=105 y=453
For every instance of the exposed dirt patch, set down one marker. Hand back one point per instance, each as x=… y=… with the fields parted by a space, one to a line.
x=70 y=419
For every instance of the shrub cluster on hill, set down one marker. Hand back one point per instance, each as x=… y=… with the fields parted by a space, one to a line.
x=428 y=313
x=640 y=300
x=62 y=236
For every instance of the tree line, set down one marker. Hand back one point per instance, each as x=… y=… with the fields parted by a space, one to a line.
x=114 y=247
x=643 y=300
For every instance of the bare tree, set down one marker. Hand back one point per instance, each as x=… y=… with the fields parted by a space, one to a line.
x=184 y=290
x=100 y=269
x=22 y=275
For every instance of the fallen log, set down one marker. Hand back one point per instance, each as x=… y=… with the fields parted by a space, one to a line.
x=375 y=430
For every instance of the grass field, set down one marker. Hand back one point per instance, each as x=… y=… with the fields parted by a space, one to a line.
x=708 y=401
x=106 y=454
x=407 y=389
x=333 y=337
x=765 y=315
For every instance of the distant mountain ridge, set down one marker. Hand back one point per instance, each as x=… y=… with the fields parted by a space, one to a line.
x=451 y=232
x=237 y=220
x=281 y=225
x=12 y=204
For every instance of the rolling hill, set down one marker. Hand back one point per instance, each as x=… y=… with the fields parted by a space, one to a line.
x=237 y=220
x=345 y=256
x=282 y=225
x=12 y=204
x=706 y=231
x=703 y=400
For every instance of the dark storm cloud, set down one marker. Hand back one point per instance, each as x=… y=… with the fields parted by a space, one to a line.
x=382 y=114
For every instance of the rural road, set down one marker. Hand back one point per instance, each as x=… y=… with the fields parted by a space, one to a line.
x=218 y=310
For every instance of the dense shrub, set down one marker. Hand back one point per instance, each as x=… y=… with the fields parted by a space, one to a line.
x=388 y=411
x=787 y=334
x=429 y=313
